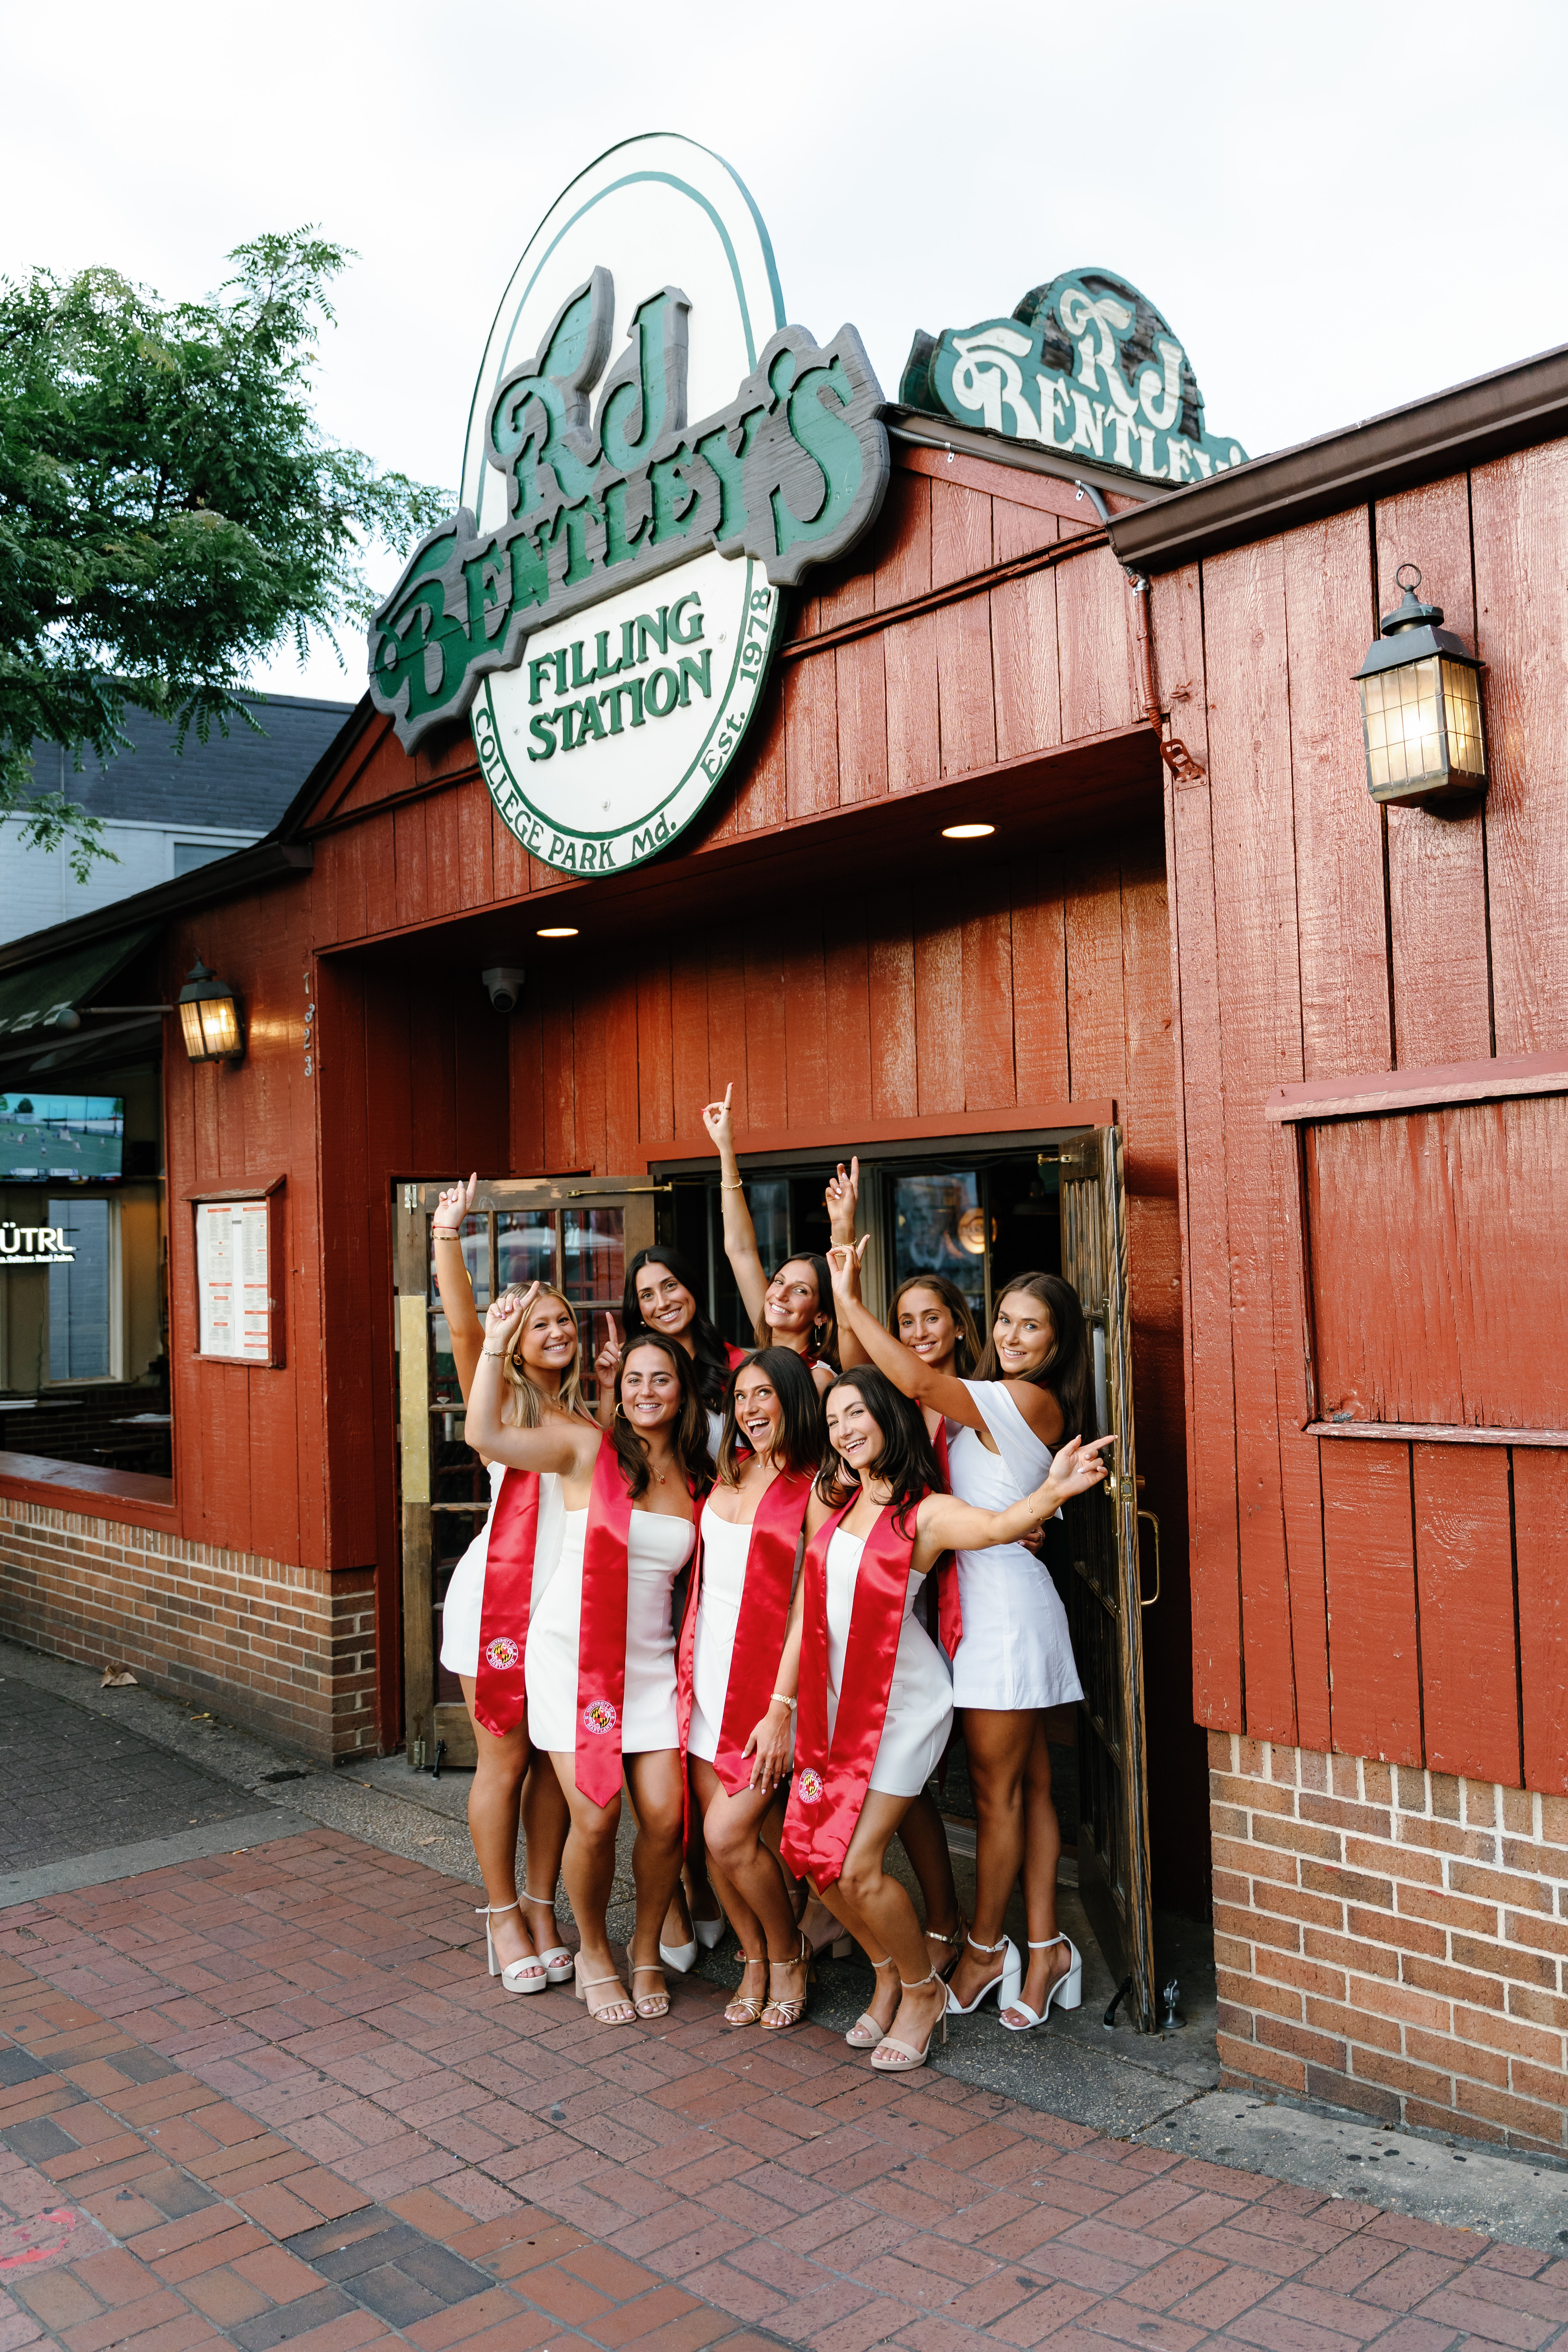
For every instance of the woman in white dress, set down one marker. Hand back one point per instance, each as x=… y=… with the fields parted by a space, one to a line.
x=1030 y=1390
x=792 y=1308
x=512 y=1784
x=874 y=1700
x=600 y=1661
x=737 y=1649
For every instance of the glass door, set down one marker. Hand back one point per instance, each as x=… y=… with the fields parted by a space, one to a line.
x=577 y=1232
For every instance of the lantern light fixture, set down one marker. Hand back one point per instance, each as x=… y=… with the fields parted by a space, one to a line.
x=1421 y=710
x=209 y=1017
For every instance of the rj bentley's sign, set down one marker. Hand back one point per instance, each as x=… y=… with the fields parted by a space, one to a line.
x=1084 y=365
x=603 y=604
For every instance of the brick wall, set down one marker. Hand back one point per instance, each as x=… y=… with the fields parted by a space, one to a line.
x=1392 y=1940
x=289 y=1652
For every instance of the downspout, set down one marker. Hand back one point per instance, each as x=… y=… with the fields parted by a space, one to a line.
x=1184 y=766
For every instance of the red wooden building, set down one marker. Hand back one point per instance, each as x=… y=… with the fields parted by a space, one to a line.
x=1331 y=1043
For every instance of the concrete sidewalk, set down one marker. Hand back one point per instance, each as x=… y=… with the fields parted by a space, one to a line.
x=273 y=2096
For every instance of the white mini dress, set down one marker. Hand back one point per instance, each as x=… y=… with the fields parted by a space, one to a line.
x=1017 y=1652
x=464 y=1601
x=920 y=1700
x=725 y=1548
x=657 y=1549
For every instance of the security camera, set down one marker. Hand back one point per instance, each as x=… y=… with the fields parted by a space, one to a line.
x=503 y=984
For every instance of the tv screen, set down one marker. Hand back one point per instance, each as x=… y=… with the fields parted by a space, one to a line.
x=54 y=1139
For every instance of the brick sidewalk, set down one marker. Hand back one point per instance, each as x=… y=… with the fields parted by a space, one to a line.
x=273 y=2098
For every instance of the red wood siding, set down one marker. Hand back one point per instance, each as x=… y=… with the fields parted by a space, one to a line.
x=1316 y=937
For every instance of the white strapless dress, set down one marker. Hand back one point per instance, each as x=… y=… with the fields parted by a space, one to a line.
x=464 y=1604
x=919 y=1702
x=725 y=1548
x=658 y=1549
x=1017 y=1652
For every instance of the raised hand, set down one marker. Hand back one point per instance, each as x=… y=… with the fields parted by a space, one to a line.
x=718 y=1120
x=842 y=1197
x=505 y=1319
x=607 y=1362
x=452 y=1207
x=844 y=1262
x=1076 y=1468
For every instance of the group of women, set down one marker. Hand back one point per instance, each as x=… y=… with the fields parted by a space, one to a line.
x=704 y=1589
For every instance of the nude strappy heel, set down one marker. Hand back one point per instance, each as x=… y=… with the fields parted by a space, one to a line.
x=748 y=2005
x=890 y=2057
x=583 y=1986
x=778 y=2015
x=1006 y=1986
x=652 y=2004
x=865 y=2033
x=526 y=1975
x=1068 y=1988
x=556 y=1961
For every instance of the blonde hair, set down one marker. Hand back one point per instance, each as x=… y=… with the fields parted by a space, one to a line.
x=523 y=1404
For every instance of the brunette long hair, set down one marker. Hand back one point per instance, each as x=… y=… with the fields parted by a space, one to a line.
x=907 y=1463
x=798 y=1446
x=690 y=1443
x=826 y=1345
x=707 y=1349
x=968 y=1344
x=1066 y=1370
x=523 y=1404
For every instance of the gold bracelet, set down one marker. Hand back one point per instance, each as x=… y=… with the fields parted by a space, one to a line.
x=784 y=1701
x=492 y=1351
x=732 y=1188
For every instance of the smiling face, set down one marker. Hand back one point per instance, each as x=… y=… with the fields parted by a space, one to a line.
x=791 y=1305
x=664 y=1303
x=650 y=1391
x=546 y=1348
x=759 y=1410
x=927 y=1328
x=856 y=1437
x=1025 y=1334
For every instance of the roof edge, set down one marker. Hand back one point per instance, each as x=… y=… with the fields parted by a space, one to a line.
x=1515 y=407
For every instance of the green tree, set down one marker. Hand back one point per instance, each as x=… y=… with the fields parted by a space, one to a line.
x=170 y=511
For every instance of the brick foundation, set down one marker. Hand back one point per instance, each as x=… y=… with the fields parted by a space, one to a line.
x=288 y=1651
x=1392 y=1940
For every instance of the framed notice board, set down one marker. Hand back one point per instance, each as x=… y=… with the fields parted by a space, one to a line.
x=239 y=1274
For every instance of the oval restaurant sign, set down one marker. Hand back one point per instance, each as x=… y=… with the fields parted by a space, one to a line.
x=653 y=455
x=1085 y=364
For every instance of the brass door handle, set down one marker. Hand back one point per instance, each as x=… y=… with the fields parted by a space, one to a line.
x=1155 y=1523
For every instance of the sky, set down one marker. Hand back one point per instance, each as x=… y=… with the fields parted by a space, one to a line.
x=1338 y=208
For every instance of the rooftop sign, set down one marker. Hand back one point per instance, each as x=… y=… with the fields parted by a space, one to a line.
x=603 y=604
x=1084 y=365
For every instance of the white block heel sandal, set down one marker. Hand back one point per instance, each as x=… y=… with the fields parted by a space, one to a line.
x=1068 y=1990
x=556 y=1961
x=526 y=1975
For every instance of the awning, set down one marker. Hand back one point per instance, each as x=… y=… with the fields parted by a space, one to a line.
x=45 y=997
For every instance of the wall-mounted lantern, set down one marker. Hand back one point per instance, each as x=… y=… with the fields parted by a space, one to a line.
x=209 y=1015
x=1421 y=710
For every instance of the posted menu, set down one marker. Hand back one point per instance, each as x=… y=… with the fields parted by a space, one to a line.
x=232 y=1279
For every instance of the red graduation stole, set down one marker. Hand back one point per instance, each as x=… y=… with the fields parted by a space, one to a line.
x=830 y=1781
x=949 y=1606
x=602 y=1629
x=734 y=1356
x=500 y=1695
x=765 y=1596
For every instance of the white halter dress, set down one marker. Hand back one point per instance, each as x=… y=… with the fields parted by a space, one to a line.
x=1017 y=1652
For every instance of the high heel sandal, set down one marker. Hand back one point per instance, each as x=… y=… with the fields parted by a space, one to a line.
x=935 y=1936
x=583 y=1986
x=866 y=2033
x=1068 y=1988
x=778 y=2015
x=652 y=2004
x=517 y=1976
x=908 y=2058
x=556 y=1961
x=748 y=2005
x=710 y=1933
x=1007 y=1986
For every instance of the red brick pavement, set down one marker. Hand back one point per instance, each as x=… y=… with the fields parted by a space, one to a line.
x=272 y=2097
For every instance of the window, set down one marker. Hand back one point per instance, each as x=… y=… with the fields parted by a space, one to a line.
x=189 y=855
x=83 y=1323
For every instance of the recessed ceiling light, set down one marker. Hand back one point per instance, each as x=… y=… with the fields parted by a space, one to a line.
x=560 y=931
x=966 y=832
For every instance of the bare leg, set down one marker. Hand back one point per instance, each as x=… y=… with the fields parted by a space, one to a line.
x=924 y=1840
x=1042 y=1852
x=658 y=1796
x=588 y=1866
x=749 y=1869
x=545 y=1822
x=493 y=1805
x=998 y=1741
x=879 y=1914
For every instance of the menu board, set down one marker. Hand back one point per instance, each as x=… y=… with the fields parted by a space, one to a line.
x=232 y=1280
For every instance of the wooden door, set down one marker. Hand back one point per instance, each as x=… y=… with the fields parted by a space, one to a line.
x=577 y=1233
x=1103 y=1595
